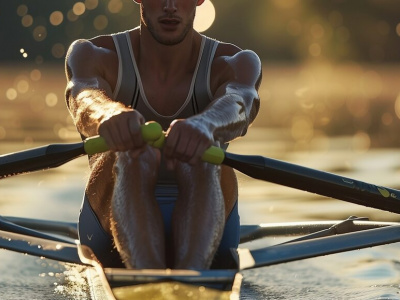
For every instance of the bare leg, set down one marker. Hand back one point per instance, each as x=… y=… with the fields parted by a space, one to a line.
x=199 y=216
x=137 y=224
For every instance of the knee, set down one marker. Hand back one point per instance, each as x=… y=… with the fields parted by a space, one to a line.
x=198 y=173
x=144 y=164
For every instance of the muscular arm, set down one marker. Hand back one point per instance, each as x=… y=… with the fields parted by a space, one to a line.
x=235 y=106
x=88 y=96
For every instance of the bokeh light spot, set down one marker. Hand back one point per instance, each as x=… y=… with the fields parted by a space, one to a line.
x=22 y=10
x=22 y=86
x=27 y=21
x=71 y=16
x=40 y=33
x=205 y=16
x=114 y=6
x=36 y=75
x=58 y=50
x=11 y=94
x=79 y=8
x=51 y=99
x=91 y=4
x=56 y=18
x=100 y=22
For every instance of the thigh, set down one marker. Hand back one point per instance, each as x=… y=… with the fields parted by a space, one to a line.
x=92 y=234
x=223 y=259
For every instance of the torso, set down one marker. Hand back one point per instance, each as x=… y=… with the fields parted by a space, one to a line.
x=158 y=94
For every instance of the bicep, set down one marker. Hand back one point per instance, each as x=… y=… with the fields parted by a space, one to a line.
x=82 y=70
x=240 y=75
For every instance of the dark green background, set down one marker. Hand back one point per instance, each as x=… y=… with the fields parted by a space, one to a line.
x=260 y=25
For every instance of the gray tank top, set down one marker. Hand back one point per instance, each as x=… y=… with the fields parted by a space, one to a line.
x=129 y=89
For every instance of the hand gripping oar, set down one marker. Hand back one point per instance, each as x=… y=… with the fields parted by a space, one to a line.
x=55 y=155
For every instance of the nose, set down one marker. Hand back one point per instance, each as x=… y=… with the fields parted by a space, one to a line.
x=170 y=6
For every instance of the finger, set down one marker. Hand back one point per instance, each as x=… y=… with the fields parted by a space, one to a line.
x=170 y=143
x=135 y=137
x=116 y=134
x=181 y=150
x=104 y=131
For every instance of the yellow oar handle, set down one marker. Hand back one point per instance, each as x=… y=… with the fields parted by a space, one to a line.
x=151 y=133
x=214 y=155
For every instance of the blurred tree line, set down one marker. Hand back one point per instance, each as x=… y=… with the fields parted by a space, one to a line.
x=278 y=30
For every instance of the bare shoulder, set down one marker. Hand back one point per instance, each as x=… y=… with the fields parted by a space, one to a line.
x=232 y=64
x=92 y=58
x=231 y=53
x=88 y=48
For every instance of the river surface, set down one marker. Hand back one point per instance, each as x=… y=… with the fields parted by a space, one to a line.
x=372 y=273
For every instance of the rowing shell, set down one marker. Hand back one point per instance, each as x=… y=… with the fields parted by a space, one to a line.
x=57 y=240
x=124 y=284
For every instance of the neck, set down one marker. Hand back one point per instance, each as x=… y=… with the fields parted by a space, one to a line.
x=167 y=59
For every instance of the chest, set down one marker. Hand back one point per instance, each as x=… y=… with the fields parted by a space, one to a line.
x=166 y=97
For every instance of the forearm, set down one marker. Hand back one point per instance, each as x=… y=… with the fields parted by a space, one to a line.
x=229 y=116
x=90 y=108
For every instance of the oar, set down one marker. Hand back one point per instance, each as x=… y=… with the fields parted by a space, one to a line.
x=55 y=155
x=307 y=179
x=258 y=167
x=6 y=225
x=24 y=243
x=317 y=247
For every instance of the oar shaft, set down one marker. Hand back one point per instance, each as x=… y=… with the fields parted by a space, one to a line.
x=315 y=181
x=307 y=179
x=41 y=158
x=55 y=155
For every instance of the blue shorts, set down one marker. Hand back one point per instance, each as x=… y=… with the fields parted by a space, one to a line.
x=92 y=234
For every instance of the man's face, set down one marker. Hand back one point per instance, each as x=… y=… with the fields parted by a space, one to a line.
x=168 y=21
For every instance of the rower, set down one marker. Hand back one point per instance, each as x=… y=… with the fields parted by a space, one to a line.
x=146 y=208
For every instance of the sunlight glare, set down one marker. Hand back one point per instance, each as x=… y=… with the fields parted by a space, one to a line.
x=205 y=16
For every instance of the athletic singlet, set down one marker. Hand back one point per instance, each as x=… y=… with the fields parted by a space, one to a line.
x=129 y=88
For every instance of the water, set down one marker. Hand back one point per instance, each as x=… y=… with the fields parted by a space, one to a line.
x=291 y=101
x=365 y=274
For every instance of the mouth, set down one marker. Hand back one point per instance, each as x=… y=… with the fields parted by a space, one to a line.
x=169 y=22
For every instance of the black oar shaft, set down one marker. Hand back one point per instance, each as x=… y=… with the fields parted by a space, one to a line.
x=317 y=247
x=55 y=155
x=41 y=158
x=314 y=181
